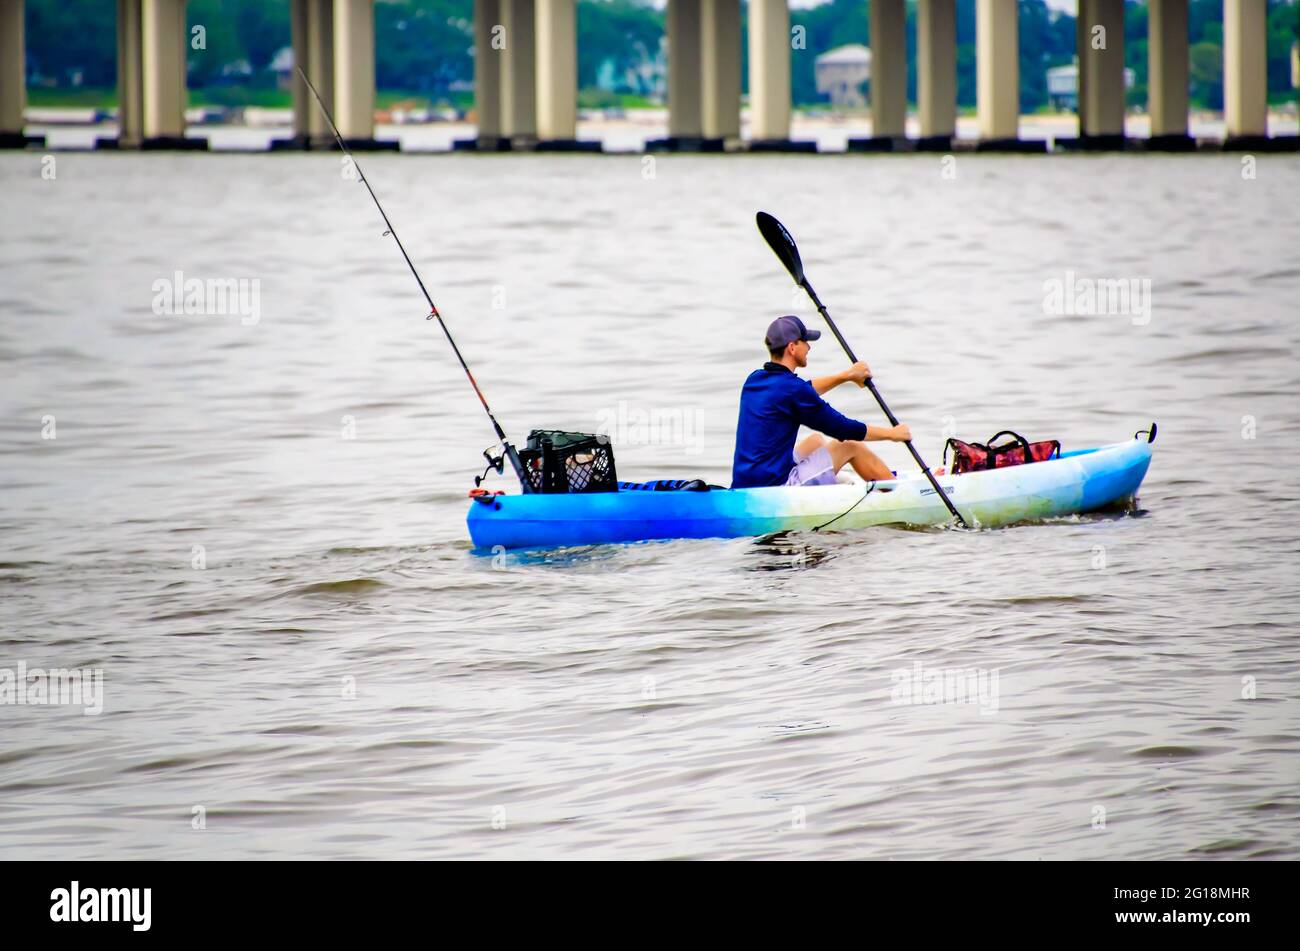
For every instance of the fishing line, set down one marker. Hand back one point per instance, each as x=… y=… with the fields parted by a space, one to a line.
x=433 y=309
x=870 y=488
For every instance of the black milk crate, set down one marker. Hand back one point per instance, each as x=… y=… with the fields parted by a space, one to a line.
x=559 y=462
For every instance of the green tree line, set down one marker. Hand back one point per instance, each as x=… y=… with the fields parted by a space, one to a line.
x=426 y=46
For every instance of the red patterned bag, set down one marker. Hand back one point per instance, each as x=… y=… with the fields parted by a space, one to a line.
x=975 y=456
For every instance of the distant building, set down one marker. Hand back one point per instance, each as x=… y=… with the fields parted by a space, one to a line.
x=1063 y=85
x=842 y=74
x=281 y=66
x=642 y=73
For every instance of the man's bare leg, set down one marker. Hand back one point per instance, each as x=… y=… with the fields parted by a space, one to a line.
x=809 y=444
x=865 y=462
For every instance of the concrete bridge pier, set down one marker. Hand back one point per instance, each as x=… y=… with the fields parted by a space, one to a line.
x=997 y=78
x=354 y=70
x=936 y=74
x=769 y=79
x=311 y=30
x=334 y=43
x=163 y=49
x=152 y=46
x=703 y=76
x=557 y=78
x=13 y=78
x=1099 y=41
x=130 y=78
x=318 y=64
x=887 y=21
x=526 y=77
x=354 y=76
x=557 y=71
x=518 y=61
x=684 y=28
x=487 y=80
x=1245 y=76
x=1167 y=67
x=303 y=102
x=720 y=69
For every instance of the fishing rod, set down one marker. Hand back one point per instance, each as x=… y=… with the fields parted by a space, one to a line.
x=510 y=452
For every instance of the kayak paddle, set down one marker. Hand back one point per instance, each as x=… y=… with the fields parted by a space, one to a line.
x=783 y=245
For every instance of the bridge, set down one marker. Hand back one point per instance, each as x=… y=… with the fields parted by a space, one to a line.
x=526 y=75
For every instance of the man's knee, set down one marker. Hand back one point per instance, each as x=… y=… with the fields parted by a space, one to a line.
x=841 y=450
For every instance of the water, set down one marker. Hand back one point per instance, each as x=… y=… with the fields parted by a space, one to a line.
x=344 y=678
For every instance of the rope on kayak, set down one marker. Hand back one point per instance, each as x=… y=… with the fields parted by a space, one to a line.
x=870 y=488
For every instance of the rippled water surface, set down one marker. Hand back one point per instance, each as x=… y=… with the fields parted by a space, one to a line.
x=344 y=678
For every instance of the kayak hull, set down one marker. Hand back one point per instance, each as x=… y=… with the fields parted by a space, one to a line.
x=1078 y=482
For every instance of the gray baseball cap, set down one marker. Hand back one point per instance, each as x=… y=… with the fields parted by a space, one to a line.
x=786 y=330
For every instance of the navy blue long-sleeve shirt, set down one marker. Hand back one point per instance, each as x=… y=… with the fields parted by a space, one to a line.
x=773 y=404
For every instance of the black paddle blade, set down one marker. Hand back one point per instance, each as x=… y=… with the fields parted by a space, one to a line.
x=779 y=240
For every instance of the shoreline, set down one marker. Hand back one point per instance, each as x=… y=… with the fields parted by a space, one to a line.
x=76 y=129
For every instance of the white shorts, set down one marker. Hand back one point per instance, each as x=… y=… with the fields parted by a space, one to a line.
x=816 y=468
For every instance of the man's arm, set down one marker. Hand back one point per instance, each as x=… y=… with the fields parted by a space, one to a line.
x=820 y=416
x=817 y=414
x=859 y=373
x=899 y=433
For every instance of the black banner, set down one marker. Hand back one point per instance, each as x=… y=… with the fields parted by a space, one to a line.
x=331 y=900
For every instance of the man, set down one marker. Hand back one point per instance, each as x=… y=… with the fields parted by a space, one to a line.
x=775 y=402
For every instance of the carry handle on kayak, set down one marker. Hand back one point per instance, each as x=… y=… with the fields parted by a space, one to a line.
x=780 y=241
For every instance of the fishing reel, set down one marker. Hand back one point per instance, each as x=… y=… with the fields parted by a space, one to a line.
x=497 y=462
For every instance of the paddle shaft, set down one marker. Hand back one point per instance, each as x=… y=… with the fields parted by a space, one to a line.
x=893 y=420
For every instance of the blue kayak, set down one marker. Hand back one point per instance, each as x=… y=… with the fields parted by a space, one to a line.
x=1080 y=481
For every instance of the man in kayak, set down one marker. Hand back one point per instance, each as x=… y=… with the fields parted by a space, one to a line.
x=775 y=402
